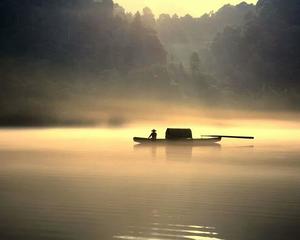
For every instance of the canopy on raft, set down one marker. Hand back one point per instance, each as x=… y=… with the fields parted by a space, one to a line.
x=177 y=134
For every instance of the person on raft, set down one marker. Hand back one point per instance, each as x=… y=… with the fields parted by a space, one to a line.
x=153 y=135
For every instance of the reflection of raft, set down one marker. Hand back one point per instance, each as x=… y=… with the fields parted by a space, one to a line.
x=184 y=136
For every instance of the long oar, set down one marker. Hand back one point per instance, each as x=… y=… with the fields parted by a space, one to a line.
x=224 y=136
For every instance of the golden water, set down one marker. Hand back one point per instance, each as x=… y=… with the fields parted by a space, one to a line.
x=96 y=184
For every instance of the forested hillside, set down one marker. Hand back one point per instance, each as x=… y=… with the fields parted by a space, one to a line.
x=61 y=60
x=80 y=33
x=56 y=52
x=183 y=35
x=262 y=57
x=244 y=55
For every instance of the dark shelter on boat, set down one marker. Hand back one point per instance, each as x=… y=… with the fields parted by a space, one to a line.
x=178 y=134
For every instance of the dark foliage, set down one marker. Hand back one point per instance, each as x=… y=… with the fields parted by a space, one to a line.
x=75 y=33
x=262 y=57
x=240 y=55
x=61 y=60
x=55 y=51
x=184 y=35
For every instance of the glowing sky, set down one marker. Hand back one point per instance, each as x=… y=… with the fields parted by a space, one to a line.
x=181 y=7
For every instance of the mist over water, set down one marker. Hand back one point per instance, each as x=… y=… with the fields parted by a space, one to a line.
x=96 y=184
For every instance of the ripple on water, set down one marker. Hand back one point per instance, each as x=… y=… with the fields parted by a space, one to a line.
x=157 y=231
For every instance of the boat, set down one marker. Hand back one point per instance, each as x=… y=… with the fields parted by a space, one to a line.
x=184 y=137
x=195 y=141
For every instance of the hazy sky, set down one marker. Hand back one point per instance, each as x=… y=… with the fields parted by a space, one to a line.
x=181 y=7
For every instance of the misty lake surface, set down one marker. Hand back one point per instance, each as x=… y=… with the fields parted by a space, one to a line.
x=94 y=185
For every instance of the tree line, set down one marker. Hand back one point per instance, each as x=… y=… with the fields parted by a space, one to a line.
x=245 y=54
x=54 y=52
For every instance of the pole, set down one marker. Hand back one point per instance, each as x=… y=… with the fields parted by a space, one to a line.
x=224 y=136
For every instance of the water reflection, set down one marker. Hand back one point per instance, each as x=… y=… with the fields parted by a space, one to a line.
x=173 y=152
x=157 y=231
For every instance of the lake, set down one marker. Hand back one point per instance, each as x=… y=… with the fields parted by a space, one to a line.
x=96 y=184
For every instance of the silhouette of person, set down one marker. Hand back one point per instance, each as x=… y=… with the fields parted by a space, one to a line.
x=153 y=135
